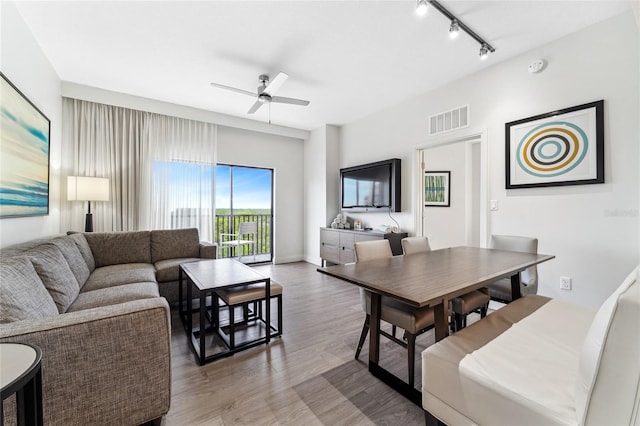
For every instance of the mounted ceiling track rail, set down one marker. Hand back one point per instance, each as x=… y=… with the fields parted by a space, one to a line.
x=485 y=47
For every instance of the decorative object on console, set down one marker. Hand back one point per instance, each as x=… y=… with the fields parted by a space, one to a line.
x=564 y=147
x=24 y=149
x=340 y=222
x=85 y=188
x=437 y=189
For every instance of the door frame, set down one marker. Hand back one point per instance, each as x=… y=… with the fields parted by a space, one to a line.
x=470 y=137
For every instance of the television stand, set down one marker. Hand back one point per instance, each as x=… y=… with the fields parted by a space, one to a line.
x=337 y=245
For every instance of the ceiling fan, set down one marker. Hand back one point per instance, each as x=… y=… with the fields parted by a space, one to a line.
x=266 y=92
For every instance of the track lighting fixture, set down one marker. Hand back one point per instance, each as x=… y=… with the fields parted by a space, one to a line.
x=484 y=52
x=456 y=26
x=454 y=29
x=422 y=7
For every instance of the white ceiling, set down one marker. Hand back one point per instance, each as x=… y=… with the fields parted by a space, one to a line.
x=349 y=58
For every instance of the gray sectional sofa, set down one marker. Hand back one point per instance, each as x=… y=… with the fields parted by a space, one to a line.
x=92 y=303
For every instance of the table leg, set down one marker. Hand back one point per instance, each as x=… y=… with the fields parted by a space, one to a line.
x=515 y=286
x=180 y=310
x=203 y=325
x=189 y=324
x=267 y=293
x=440 y=321
x=374 y=329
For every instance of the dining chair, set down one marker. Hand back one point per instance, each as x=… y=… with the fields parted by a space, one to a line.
x=461 y=306
x=501 y=290
x=236 y=240
x=412 y=320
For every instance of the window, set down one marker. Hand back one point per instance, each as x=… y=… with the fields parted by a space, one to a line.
x=245 y=194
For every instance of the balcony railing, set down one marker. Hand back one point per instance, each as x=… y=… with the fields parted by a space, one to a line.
x=228 y=224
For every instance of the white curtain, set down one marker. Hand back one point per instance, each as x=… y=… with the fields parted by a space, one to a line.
x=123 y=145
x=183 y=171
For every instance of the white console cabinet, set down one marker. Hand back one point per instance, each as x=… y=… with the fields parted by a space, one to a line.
x=337 y=245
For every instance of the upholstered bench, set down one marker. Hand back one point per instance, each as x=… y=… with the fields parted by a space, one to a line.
x=250 y=294
x=540 y=361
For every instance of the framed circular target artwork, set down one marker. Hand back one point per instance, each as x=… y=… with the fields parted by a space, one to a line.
x=558 y=148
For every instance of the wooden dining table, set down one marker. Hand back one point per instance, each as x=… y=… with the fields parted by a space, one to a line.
x=430 y=279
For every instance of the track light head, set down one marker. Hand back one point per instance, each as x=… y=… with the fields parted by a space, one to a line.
x=454 y=29
x=484 y=52
x=422 y=7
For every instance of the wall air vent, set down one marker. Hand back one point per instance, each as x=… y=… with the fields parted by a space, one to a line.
x=449 y=120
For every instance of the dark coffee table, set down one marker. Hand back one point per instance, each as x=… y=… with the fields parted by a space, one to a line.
x=206 y=277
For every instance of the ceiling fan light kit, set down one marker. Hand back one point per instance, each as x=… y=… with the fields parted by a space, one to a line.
x=265 y=92
x=456 y=26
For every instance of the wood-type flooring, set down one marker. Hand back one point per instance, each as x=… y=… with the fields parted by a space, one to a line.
x=306 y=377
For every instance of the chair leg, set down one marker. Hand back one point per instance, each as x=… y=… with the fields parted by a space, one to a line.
x=458 y=322
x=411 y=356
x=483 y=310
x=280 y=314
x=363 y=335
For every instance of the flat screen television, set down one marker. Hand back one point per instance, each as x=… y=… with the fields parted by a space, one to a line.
x=371 y=187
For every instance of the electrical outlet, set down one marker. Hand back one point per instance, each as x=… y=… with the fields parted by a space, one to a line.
x=565 y=283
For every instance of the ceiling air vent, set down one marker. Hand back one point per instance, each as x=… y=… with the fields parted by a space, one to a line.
x=449 y=120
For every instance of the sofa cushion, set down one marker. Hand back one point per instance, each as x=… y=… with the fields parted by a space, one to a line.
x=53 y=270
x=529 y=371
x=85 y=250
x=22 y=293
x=609 y=369
x=169 y=269
x=174 y=243
x=74 y=258
x=114 y=248
x=440 y=362
x=115 y=275
x=114 y=295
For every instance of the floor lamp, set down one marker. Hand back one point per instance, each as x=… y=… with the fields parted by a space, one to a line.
x=85 y=188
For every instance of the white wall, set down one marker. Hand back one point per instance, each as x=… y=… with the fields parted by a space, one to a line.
x=26 y=66
x=321 y=190
x=286 y=157
x=591 y=229
x=446 y=226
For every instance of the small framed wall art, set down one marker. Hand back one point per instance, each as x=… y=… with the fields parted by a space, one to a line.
x=24 y=153
x=437 y=189
x=558 y=148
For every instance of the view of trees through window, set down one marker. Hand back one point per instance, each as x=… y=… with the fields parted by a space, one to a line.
x=244 y=194
x=183 y=194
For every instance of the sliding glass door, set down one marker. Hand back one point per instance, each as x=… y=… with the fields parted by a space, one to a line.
x=244 y=194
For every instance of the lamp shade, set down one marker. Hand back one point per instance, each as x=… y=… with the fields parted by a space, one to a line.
x=84 y=188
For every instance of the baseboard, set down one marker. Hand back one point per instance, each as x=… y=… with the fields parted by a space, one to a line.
x=289 y=259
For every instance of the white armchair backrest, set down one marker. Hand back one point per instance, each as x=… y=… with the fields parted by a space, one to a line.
x=247 y=228
x=608 y=382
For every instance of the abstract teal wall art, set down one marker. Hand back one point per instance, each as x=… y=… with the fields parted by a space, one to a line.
x=24 y=155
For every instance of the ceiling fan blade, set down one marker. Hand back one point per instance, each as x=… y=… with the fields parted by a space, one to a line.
x=275 y=84
x=293 y=101
x=234 y=89
x=255 y=107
